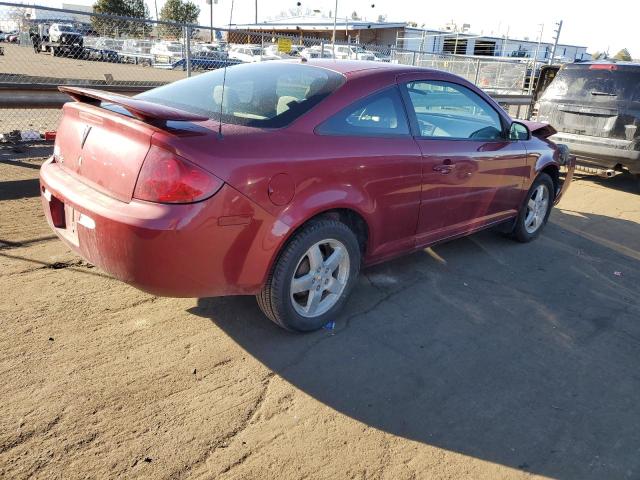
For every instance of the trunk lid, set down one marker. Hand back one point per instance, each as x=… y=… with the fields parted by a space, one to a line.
x=106 y=149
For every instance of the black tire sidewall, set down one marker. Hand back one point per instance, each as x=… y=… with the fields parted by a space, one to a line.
x=288 y=262
x=520 y=232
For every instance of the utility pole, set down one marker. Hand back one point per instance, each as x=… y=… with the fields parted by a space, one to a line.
x=335 y=19
x=256 y=10
x=504 y=41
x=535 y=59
x=555 y=41
x=210 y=3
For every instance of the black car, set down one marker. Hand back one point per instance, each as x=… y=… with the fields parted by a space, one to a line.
x=595 y=107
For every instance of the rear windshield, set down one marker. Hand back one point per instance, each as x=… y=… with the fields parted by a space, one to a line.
x=595 y=85
x=267 y=95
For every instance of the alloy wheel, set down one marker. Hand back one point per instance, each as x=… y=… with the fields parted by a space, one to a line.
x=320 y=278
x=537 y=207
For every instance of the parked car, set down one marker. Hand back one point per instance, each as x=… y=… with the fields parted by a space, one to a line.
x=595 y=106
x=59 y=39
x=6 y=36
x=210 y=50
x=380 y=56
x=316 y=52
x=104 y=49
x=351 y=52
x=250 y=53
x=281 y=179
x=136 y=51
x=166 y=53
x=134 y=45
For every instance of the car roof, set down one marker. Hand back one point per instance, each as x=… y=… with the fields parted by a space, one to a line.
x=605 y=62
x=352 y=66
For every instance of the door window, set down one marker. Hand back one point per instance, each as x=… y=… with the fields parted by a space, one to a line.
x=381 y=114
x=450 y=111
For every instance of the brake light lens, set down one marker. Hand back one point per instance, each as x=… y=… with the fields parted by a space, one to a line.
x=603 y=66
x=168 y=178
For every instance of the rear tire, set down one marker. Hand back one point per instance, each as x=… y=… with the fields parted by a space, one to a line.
x=535 y=210
x=312 y=277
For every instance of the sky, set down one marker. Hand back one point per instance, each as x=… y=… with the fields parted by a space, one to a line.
x=585 y=24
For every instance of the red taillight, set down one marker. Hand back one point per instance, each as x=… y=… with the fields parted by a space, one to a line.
x=603 y=66
x=168 y=178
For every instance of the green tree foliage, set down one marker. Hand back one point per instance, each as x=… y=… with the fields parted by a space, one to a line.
x=623 y=55
x=121 y=28
x=180 y=11
x=599 y=56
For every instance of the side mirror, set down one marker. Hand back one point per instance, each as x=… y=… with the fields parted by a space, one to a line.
x=519 y=131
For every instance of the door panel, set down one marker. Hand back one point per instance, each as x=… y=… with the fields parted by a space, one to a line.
x=477 y=182
x=472 y=175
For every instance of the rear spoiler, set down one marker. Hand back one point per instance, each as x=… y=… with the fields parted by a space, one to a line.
x=141 y=109
x=538 y=129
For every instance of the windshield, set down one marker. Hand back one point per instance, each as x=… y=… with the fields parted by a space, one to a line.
x=595 y=85
x=65 y=28
x=268 y=95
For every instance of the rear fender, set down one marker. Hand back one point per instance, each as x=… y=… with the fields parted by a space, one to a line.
x=311 y=203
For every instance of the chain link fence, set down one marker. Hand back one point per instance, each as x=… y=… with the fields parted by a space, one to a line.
x=44 y=46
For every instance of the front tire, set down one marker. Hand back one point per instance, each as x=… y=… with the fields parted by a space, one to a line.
x=312 y=277
x=535 y=211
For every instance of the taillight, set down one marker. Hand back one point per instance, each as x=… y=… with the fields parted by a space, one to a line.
x=168 y=178
x=603 y=66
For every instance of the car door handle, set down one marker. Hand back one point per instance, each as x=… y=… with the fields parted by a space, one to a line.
x=444 y=168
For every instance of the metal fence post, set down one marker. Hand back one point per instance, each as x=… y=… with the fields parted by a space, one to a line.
x=322 y=49
x=413 y=62
x=475 y=82
x=187 y=36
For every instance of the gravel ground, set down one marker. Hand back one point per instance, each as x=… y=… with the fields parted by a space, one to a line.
x=481 y=358
x=23 y=60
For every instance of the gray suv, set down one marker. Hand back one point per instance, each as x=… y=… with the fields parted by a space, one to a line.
x=595 y=107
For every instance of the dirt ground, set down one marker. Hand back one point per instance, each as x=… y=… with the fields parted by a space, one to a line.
x=481 y=358
x=23 y=60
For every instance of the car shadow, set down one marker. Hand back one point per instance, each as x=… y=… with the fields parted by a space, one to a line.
x=624 y=182
x=15 y=189
x=526 y=356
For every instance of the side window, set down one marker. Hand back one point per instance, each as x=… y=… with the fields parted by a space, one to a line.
x=380 y=114
x=448 y=110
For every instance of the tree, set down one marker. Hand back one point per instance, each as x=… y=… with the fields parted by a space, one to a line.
x=623 y=55
x=124 y=8
x=599 y=56
x=179 y=11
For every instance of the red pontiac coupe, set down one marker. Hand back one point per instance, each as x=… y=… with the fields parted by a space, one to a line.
x=283 y=178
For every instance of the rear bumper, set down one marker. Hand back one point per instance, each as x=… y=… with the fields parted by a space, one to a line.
x=603 y=152
x=220 y=246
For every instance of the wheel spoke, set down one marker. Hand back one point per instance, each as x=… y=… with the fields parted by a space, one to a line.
x=334 y=259
x=540 y=191
x=530 y=218
x=531 y=204
x=302 y=284
x=315 y=257
x=313 y=301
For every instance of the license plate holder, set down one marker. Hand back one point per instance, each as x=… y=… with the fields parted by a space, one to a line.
x=71 y=232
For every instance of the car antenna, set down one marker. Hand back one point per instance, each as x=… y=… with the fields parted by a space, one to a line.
x=224 y=76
